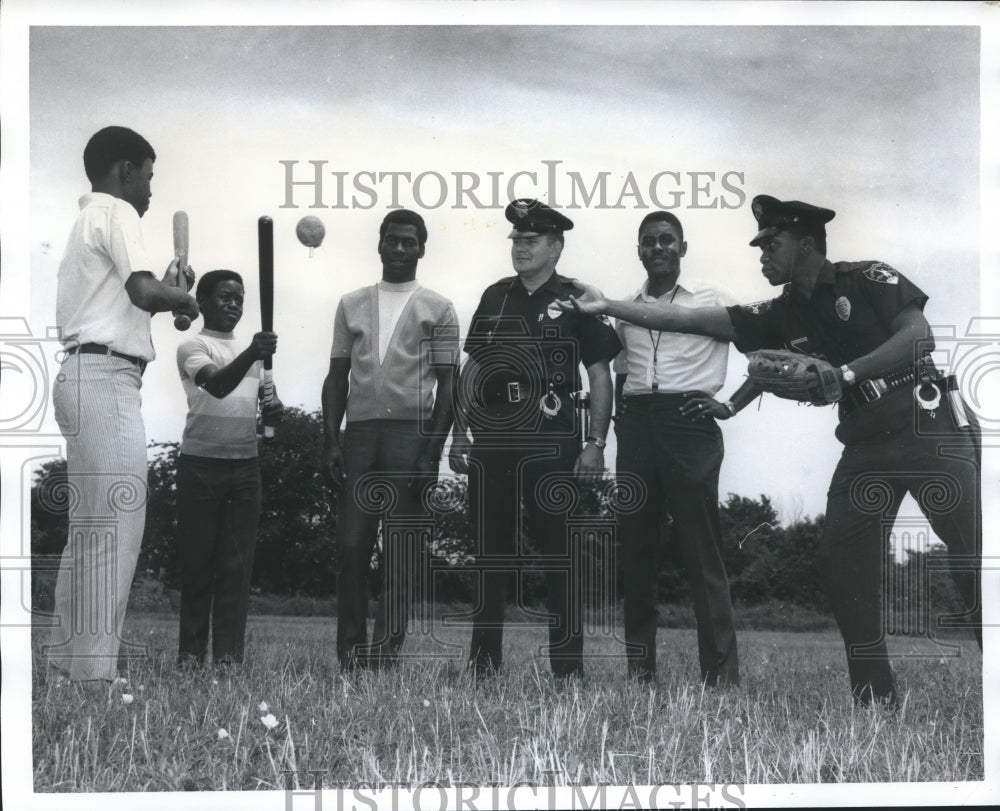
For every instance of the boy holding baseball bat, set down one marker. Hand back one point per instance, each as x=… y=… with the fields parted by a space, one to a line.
x=218 y=475
x=106 y=296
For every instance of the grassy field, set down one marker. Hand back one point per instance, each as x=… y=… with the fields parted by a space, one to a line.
x=791 y=721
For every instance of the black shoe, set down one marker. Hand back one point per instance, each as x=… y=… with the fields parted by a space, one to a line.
x=189 y=661
x=889 y=703
x=568 y=675
x=381 y=661
x=717 y=681
x=483 y=672
x=641 y=673
x=354 y=662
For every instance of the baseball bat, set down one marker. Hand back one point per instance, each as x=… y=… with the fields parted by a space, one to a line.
x=181 y=322
x=265 y=256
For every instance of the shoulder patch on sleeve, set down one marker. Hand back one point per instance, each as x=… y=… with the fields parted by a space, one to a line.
x=758 y=307
x=881 y=272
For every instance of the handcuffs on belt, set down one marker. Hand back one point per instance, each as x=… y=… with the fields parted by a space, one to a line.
x=927 y=394
x=547 y=410
x=931 y=389
x=549 y=403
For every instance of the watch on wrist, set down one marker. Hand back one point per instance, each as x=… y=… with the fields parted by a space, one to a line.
x=730 y=408
x=600 y=443
x=848 y=374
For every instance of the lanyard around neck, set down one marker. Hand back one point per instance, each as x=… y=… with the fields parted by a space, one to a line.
x=656 y=344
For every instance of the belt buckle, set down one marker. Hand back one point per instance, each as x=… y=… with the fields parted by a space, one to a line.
x=514 y=392
x=869 y=390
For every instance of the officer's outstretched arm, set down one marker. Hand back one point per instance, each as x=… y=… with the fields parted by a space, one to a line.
x=663 y=316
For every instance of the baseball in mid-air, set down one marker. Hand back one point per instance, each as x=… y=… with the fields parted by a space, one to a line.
x=310 y=231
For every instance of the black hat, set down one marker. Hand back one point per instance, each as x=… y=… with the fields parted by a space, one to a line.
x=531 y=216
x=773 y=215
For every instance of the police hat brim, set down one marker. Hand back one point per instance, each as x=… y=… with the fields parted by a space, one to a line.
x=533 y=217
x=765 y=234
x=516 y=233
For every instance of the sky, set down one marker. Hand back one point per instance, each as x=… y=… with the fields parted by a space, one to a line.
x=845 y=117
x=883 y=123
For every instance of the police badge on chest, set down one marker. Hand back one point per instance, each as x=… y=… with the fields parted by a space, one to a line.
x=843 y=307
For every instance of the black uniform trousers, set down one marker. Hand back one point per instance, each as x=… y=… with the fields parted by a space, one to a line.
x=940 y=469
x=503 y=474
x=678 y=461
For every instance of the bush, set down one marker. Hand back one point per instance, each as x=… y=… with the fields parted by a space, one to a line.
x=296 y=556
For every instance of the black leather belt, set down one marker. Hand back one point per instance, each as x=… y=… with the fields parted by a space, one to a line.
x=101 y=349
x=516 y=391
x=654 y=399
x=868 y=391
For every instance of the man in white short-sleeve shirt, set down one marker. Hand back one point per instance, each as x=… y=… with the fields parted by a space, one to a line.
x=668 y=437
x=106 y=295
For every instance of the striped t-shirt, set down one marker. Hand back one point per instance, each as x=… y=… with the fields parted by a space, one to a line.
x=223 y=428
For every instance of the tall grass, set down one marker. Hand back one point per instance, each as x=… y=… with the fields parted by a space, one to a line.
x=791 y=721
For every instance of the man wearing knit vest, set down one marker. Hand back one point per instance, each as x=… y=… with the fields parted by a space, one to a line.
x=393 y=342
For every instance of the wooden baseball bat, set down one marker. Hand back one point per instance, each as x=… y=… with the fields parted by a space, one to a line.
x=265 y=257
x=181 y=322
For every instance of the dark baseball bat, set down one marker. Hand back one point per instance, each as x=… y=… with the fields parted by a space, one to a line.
x=265 y=257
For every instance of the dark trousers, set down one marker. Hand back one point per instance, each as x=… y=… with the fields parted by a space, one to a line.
x=678 y=461
x=218 y=509
x=870 y=481
x=379 y=459
x=501 y=477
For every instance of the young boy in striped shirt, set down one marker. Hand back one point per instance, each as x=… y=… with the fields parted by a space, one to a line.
x=218 y=474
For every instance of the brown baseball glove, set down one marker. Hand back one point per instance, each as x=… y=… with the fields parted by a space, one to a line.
x=794 y=376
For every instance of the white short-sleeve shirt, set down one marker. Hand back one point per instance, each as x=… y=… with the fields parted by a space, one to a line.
x=683 y=362
x=104 y=249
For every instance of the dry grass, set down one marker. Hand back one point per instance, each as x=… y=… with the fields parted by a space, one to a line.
x=790 y=722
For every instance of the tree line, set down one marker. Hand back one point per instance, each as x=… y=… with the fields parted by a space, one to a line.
x=297 y=541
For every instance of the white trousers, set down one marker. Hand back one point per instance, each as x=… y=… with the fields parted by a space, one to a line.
x=98 y=408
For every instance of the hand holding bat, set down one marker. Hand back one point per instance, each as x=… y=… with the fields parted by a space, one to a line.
x=272 y=412
x=263 y=345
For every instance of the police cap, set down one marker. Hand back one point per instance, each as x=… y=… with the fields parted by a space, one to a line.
x=773 y=215
x=532 y=217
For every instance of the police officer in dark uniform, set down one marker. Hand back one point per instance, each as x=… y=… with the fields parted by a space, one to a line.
x=903 y=425
x=515 y=395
